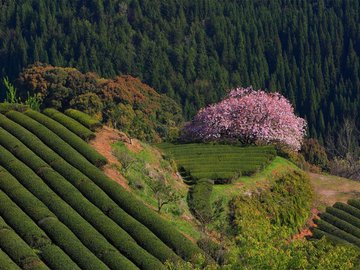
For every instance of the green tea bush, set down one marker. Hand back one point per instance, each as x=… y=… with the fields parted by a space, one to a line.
x=71 y=124
x=348 y=208
x=23 y=255
x=341 y=224
x=83 y=118
x=333 y=230
x=199 y=200
x=90 y=237
x=46 y=220
x=318 y=234
x=33 y=235
x=70 y=194
x=344 y=216
x=78 y=144
x=6 y=263
x=355 y=203
x=161 y=228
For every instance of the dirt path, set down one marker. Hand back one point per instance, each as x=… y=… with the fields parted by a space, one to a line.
x=102 y=143
x=330 y=189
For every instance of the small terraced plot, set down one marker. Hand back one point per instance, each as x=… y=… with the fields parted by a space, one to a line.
x=58 y=210
x=218 y=162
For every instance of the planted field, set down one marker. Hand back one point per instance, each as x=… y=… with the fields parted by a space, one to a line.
x=341 y=222
x=55 y=199
x=218 y=162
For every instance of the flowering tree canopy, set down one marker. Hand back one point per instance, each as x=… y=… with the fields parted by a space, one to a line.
x=248 y=116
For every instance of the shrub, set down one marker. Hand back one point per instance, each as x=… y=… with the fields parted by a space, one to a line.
x=18 y=250
x=91 y=238
x=315 y=153
x=56 y=230
x=199 y=200
x=344 y=216
x=73 y=125
x=355 y=203
x=6 y=263
x=161 y=228
x=33 y=235
x=84 y=119
x=318 y=234
x=341 y=224
x=138 y=231
x=348 y=208
x=333 y=230
x=83 y=148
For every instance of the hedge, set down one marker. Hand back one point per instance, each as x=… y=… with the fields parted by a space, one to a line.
x=333 y=230
x=142 y=235
x=35 y=237
x=355 y=203
x=46 y=220
x=84 y=119
x=160 y=227
x=199 y=200
x=73 y=125
x=6 y=263
x=23 y=255
x=318 y=234
x=115 y=234
x=341 y=224
x=344 y=216
x=348 y=208
x=90 y=237
x=72 y=139
x=5 y=107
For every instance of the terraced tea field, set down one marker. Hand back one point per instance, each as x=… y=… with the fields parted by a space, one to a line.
x=341 y=222
x=58 y=210
x=218 y=162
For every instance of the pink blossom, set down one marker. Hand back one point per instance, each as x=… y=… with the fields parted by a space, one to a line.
x=248 y=116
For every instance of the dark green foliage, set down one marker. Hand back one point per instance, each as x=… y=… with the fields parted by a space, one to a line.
x=78 y=144
x=199 y=200
x=315 y=153
x=18 y=250
x=56 y=230
x=218 y=162
x=71 y=124
x=6 y=263
x=139 y=232
x=107 y=227
x=333 y=230
x=83 y=230
x=344 y=216
x=341 y=224
x=355 y=203
x=318 y=234
x=348 y=208
x=84 y=119
x=161 y=228
x=32 y=234
x=195 y=50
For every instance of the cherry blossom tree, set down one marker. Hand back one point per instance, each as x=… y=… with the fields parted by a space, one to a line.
x=250 y=116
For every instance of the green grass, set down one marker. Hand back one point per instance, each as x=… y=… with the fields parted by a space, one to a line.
x=218 y=162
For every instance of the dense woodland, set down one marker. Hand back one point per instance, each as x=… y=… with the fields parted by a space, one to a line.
x=194 y=51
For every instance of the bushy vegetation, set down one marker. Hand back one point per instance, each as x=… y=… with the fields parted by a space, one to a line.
x=342 y=221
x=72 y=139
x=71 y=124
x=218 y=162
x=84 y=119
x=123 y=102
x=6 y=263
x=199 y=200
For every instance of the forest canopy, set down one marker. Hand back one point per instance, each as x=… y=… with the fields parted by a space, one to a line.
x=195 y=50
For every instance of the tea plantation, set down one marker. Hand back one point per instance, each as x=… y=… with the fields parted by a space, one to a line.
x=58 y=210
x=218 y=162
x=341 y=222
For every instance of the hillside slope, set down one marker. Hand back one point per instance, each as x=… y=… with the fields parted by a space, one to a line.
x=53 y=198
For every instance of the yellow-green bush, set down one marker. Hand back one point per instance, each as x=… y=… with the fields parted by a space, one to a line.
x=83 y=118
